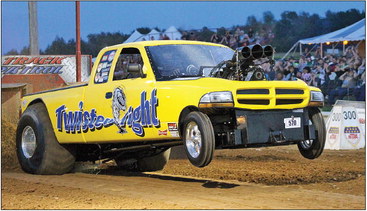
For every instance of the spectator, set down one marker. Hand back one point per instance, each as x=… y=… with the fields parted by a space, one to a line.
x=279 y=76
x=225 y=39
x=184 y=36
x=306 y=75
x=233 y=42
x=214 y=38
x=292 y=75
x=349 y=83
x=360 y=91
x=250 y=33
x=192 y=36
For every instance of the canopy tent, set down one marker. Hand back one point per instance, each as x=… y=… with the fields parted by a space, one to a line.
x=135 y=36
x=154 y=33
x=173 y=33
x=354 y=32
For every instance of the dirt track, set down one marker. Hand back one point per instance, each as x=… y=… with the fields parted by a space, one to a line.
x=265 y=178
x=334 y=181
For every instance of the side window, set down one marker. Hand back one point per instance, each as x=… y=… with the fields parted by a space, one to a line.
x=104 y=66
x=128 y=64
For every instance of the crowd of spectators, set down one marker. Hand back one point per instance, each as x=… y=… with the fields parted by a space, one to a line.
x=236 y=38
x=336 y=76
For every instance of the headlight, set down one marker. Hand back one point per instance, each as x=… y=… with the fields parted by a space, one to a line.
x=216 y=99
x=317 y=96
x=317 y=99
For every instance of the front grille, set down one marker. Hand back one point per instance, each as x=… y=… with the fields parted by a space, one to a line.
x=272 y=96
x=254 y=102
x=288 y=101
x=253 y=91
x=289 y=91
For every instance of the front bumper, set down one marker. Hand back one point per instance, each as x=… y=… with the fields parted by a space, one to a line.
x=269 y=127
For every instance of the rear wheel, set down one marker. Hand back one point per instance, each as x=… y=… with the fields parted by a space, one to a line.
x=312 y=149
x=199 y=140
x=38 y=150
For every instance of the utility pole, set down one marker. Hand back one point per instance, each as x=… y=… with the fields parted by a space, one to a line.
x=33 y=28
x=78 y=51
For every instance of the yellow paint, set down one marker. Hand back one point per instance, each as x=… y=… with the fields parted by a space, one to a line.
x=173 y=97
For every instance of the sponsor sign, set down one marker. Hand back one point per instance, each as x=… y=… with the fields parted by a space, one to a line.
x=345 y=128
x=173 y=129
x=104 y=67
x=162 y=132
x=63 y=65
x=333 y=129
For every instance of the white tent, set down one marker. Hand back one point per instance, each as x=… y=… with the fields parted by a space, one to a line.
x=354 y=32
x=135 y=36
x=154 y=33
x=173 y=33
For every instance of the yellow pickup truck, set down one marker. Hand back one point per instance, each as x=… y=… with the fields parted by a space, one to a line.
x=145 y=97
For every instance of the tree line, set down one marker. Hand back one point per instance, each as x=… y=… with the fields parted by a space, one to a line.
x=290 y=28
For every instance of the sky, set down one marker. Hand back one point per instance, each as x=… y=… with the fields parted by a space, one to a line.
x=58 y=18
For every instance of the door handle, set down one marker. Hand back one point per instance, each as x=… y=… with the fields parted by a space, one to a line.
x=108 y=95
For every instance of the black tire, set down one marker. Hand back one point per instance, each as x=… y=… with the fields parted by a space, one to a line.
x=314 y=150
x=154 y=163
x=204 y=155
x=49 y=156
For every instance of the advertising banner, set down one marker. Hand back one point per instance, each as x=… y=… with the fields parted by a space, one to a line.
x=62 y=65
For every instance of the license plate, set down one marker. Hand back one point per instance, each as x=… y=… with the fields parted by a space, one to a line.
x=293 y=122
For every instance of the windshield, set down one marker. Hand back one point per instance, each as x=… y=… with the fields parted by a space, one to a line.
x=182 y=61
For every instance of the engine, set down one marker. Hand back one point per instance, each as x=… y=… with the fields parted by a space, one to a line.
x=246 y=64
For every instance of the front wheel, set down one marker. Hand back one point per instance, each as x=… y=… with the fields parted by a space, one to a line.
x=199 y=140
x=312 y=149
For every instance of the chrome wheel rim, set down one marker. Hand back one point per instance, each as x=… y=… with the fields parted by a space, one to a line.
x=193 y=139
x=28 y=142
x=306 y=144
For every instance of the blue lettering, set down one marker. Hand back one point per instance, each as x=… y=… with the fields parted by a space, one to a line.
x=130 y=117
x=69 y=121
x=92 y=119
x=154 y=104
x=99 y=122
x=78 y=122
x=108 y=122
x=145 y=111
x=25 y=70
x=4 y=69
x=123 y=120
x=59 y=112
x=86 y=118
x=143 y=115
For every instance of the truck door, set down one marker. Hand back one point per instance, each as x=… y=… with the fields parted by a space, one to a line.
x=121 y=100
